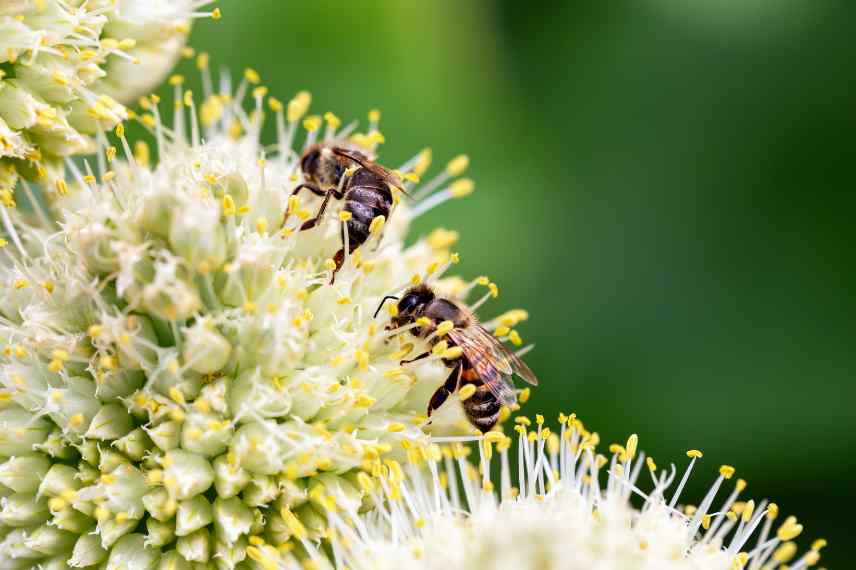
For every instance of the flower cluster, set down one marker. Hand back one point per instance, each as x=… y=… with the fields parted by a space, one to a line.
x=180 y=380
x=66 y=67
x=570 y=508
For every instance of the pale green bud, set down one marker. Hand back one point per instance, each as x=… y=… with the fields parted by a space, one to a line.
x=160 y=505
x=227 y=555
x=256 y=449
x=112 y=530
x=124 y=490
x=58 y=480
x=159 y=533
x=22 y=509
x=186 y=474
x=197 y=235
x=173 y=560
x=109 y=460
x=192 y=515
x=261 y=491
x=16 y=550
x=49 y=540
x=131 y=553
x=195 y=547
x=166 y=435
x=87 y=552
x=253 y=396
x=229 y=479
x=155 y=214
x=136 y=342
x=72 y=520
x=232 y=519
x=22 y=474
x=120 y=383
x=205 y=350
x=55 y=445
x=135 y=444
x=205 y=434
x=111 y=422
x=19 y=431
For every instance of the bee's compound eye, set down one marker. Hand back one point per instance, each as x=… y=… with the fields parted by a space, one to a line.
x=408 y=303
x=310 y=161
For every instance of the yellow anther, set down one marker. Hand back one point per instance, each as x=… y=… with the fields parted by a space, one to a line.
x=344 y=216
x=228 y=205
x=332 y=120
x=727 y=471
x=377 y=224
x=632 y=443
x=312 y=123
x=298 y=106
x=789 y=530
x=444 y=328
x=453 y=353
x=705 y=521
x=748 y=509
x=442 y=238
x=262 y=225
x=741 y=485
x=176 y=80
x=374 y=116
x=202 y=61
x=818 y=544
x=523 y=397
x=423 y=322
x=694 y=454
x=176 y=395
x=785 y=553
x=461 y=188
x=504 y=414
x=466 y=392
x=458 y=165
x=396 y=427
x=252 y=76
x=216 y=14
x=522 y=420
x=515 y=339
x=260 y=92
x=61 y=187
x=651 y=465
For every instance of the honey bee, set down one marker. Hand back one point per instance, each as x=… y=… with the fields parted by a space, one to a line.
x=484 y=361
x=367 y=191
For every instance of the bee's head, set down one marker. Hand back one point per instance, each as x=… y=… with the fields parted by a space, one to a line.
x=322 y=166
x=412 y=305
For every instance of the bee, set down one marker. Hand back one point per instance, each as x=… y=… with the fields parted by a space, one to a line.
x=484 y=361
x=367 y=191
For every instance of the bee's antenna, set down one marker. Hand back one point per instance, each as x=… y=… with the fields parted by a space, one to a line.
x=382 y=303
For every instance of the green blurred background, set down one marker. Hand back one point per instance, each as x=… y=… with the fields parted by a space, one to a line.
x=664 y=185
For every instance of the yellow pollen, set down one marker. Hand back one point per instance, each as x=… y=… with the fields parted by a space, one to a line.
x=466 y=392
x=344 y=215
x=458 y=165
x=444 y=328
x=312 y=123
x=694 y=454
x=298 y=106
x=727 y=471
x=461 y=188
x=377 y=224
x=523 y=397
x=216 y=14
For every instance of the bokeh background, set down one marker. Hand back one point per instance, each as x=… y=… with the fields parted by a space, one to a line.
x=665 y=185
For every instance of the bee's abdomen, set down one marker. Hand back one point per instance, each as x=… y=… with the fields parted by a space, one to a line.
x=365 y=204
x=482 y=408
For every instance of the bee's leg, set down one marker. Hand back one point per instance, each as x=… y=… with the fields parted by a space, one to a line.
x=339 y=258
x=420 y=357
x=311 y=187
x=311 y=223
x=446 y=390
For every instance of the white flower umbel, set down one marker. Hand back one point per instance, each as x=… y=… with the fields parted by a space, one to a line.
x=66 y=67
x=180 y=381
x=570 y=508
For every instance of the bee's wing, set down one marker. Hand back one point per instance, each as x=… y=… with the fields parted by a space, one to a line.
x=368 y=164
x=494 y=364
